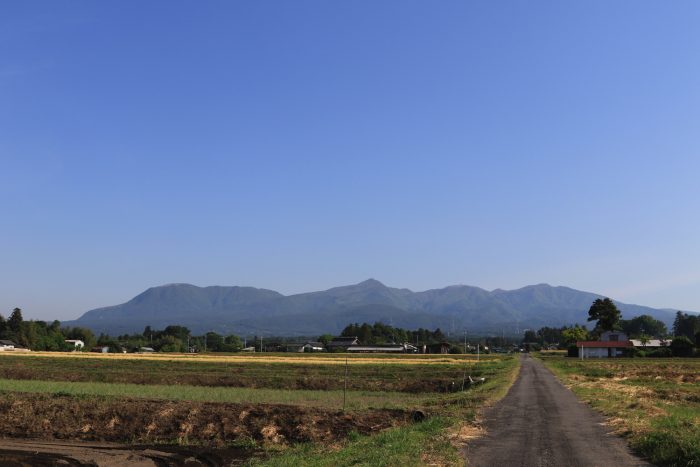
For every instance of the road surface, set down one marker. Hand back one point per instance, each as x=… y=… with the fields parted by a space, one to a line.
x=542 y=423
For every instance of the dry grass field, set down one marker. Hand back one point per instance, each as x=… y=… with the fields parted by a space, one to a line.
x=300 y=358
x=654 y=403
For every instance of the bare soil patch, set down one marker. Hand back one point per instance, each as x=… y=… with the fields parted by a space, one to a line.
x=50 y=416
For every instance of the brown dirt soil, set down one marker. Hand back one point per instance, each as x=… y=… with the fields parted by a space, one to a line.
x=45 y=416
x=32 y=453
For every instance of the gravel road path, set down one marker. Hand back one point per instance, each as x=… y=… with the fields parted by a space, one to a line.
x=542 y=423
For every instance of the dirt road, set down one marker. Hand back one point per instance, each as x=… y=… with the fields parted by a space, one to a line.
x=542 y=423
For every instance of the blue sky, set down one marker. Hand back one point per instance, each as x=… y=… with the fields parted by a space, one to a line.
x=302 y=145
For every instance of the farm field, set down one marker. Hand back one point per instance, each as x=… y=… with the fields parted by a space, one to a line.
x=299 y=371
x=270 y=410
x=654 y=403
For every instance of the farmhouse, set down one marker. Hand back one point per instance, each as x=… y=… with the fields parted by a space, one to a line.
x=611 y=344
x=312 y=347
x=600 y=349
x=441 y=348
x=305 y=347
x=341 y=343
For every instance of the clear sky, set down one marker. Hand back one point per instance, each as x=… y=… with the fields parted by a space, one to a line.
x=299 y=145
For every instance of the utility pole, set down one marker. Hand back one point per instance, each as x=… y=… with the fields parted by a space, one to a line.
x=345 y=387
x=261 y=343
x=465 y=342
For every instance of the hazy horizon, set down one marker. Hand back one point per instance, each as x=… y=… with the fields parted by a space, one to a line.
x=301 y=146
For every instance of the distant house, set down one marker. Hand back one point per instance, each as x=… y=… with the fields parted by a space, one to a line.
x=602 y=349
x=650 y=344
x=271 y=346
x=312 y=347
x=7 y=345
x=77 y=343
x=341 y=343
x=300 y=347
x=100 y=349
x=146 y=350
x=386 y=348
x=441 y=348
x=611 y=344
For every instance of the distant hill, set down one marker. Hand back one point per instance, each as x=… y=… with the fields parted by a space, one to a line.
x=248 y=310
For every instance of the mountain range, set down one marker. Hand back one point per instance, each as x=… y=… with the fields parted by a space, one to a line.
x=249 y=310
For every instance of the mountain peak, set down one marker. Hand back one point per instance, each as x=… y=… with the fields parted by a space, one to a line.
x=248 y=310
x=371 y=283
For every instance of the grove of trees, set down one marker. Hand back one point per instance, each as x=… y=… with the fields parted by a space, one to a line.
x=380 y=333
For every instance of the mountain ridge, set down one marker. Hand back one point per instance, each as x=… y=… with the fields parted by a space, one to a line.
x=250 y=310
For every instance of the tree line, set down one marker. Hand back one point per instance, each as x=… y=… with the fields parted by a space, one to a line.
x=380 y=333
x=43 y=336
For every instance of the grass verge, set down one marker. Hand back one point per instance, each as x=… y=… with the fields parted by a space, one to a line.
x=418 y=444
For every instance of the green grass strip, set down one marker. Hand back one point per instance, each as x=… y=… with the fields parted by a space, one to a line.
x=356 y=400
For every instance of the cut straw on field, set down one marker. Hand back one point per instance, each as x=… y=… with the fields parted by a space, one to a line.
x=321 y=359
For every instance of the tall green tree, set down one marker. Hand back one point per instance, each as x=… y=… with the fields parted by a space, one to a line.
x=643 y=325
x=325 y=339
x=530 y=336
x=574 y=334
x=606 y=313
x=686 y=325
x=15 y=321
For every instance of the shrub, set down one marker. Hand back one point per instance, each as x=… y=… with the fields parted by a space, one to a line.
x=662 y=352
x=681 y=347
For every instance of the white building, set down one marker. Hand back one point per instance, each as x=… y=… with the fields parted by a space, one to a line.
x=7 y=345
x=77 y=343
